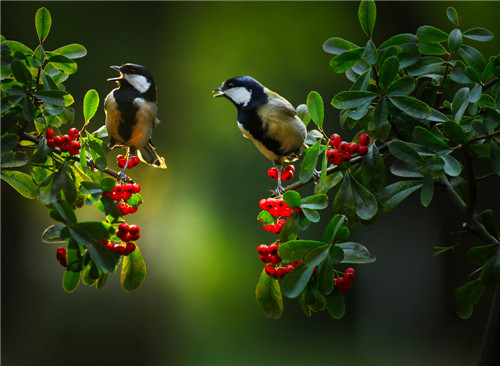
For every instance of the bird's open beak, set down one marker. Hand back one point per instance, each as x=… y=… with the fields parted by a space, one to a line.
x=219 y=91
x=117 y=68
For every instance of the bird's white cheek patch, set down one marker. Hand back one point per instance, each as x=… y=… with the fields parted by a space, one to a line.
x=139 y=82
x=239 y=95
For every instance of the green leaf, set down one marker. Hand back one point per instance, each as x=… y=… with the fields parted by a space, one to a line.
x=268 y=296
x=427 y=189
x=346 y=60
x=133 y=271
x=403 y=151
x=372 y=173
x=478 y=34
x=309 y=162
x=97 y=152
x=21 y=182
x=473 y=58
x=475 y=93
x=70 y=280
x=333 y=227
x=15 y=46
x=371 y=53
x=452 y=15
x=65 y=211
x=53 y=97
x=490 y=275
x=367 y=13
x=388 y=72
x=311 y=214
x=72 y=51
x=265 y=218
x=455 y=39
x=452 y=166
x=296 y=281
x=365 y=203
x=399 y=40
x=411 y=106
x=344 y=201
x=424 y=66
x=316 y=256
x=102 y=257
x=426 y=138
x=356 y=253
x=325 y=276
x=315 y=108
x=8 y=142
x=43 y=21
x=460 y=103
x=489 y=221
x=52 y=234
x=467 y=296
x=337 y=45
x=21 y=73
x=98 y=230
x=455 y=132
x=392 y=195
x=90 y=104
x=292 y=198
x=64 y=64
x=441 y=250
x=480 y=254
x=317 y=202
x=352 y=99
x=335 y=304
x=495 y=157
x=295 y=250
x=401 y=87
x=429 y=34
x=431 y=49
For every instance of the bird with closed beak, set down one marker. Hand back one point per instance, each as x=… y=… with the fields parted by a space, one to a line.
x=267 y=119
x=131 y=115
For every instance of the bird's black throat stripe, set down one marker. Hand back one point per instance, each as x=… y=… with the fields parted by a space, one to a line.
x=253 y=124
x=128 y=110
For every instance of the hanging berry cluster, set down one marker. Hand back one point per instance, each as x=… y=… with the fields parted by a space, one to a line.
x=286 y=174
x=122 y=193
x=344 y=283
x=343 y=151
x=122 y=160
x=66 y=143
x=278 y=209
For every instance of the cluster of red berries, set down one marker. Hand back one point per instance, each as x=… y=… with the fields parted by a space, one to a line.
x=279 y=272
x=344 y=283
x=269 y=254
x=286 y=174
x=343 y=151
x=67 y=143
x=61 y=256
x=124 y=192
x=121 y=161
x=277 y=207
x=118 y=248
x=128 y=232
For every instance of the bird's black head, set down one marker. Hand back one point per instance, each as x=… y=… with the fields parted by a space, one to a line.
x=136 y=77
x=245 y=92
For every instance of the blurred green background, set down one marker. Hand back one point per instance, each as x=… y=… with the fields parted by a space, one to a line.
x=198 y=228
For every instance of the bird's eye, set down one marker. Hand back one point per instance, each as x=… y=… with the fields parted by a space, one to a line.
x=230 y=85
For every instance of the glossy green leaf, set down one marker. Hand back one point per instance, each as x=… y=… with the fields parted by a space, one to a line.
x=333 y=227
x=102 y=257
x=99 y=230
x=346 y=60
x=21 y=182
x=336 y=46
x=401 y=87
x=53 y=97
x=426 y=138
x=490 y=275
x=411 y=106
x=475 y=93
x=424 y=66
x=372 y=172
x=64 y=64
x=398 y=40
x=371 y=53
x=473 y=58
x=52 y=234
x=480 y=254
x=367 y=13
x=21 y=73
x=452 y=15
x=309 y=162
x=97 y=152
x=43 y=21
x=70 y=280
x=72 y=51
x=311 y=214
x=460 y=103
x=366 y=205
x=325 y=277
x=133 y=271
x=356 y=253
x=452 y=166
x=295 y=250
x=317 y=201
x=296 y=281
x=430 y=34
x=495 y=157
x=394 y=194
x=65 y=211
x=292 y=198
x=344 y=201
x=431 y=49
x=427 y=189
x=90 y=104
x=388 y=72
x=15 y=46
x=316 y=256
x=352 y=99
x=335 y=304
x=455 y=39
x=478 y=34
x=8 y=142
x=455 y=132
x=265 y=218
x=403 y=151
x=467 y=296
x=488 y=219
x=268 y=296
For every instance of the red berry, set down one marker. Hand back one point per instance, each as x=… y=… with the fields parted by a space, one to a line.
x=270 y=203
x=126 y=196
x=263 y=204
x=137 y=188
x=123 y=228
x=49 y=134
x=342 y=284
x=120 y=158
x=274 y=211
x=51 y=143
x=73 y=133
x=132 y=209
x=364 y=140
x=64 y=147
x=129 y=248
x=343 y=147
x=58 y=140
x=272 y=173
x=110 y=246
x=287 y=175
x=135 y=161
x=346 y=156
x=280 y=272
x=290 y=168
x=74 y=147
x=61 y=256
x=349 y=274
x=65 y=140
x=289 y=268
x=134 y=230
x=121 y=164
x=263 y=249
x=129 y=187
x=276 y=228
x=332 y=155
x=270 y=270
x=362 y=150
x=273 y=249
x=335 y=139
x=124 y=208
x=120 y=249
x=353 y=147
x=118 y=188
x=267 y=227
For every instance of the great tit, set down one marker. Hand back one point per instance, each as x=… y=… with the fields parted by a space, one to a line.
x=131 y=114
x=267 y=119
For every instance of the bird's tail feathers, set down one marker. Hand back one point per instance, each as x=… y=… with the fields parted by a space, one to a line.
x=149 y=156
